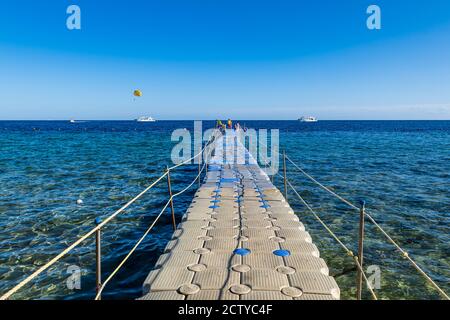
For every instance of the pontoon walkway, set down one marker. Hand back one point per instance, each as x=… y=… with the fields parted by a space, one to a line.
x=239 y=240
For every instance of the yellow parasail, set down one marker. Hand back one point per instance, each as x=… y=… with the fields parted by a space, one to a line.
x=137 y=93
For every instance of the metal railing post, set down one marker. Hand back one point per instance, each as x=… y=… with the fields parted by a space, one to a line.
x=272 y=177
x=359 y=276
x=206 y=158
x=200 y=166
x=171 y=200
x=98 y=258
x=285 y=178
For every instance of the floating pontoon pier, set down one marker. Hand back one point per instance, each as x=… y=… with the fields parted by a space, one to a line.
x=239 y=240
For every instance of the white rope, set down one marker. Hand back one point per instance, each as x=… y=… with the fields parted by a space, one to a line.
x=190 y=185
x=347 y=250
x=406 y=255
x=145 y=234
x=402 y=251
x=92 y=231
x=187 y=161
x=76 y=243
x=322 y=186
x=131 y=251
x=197 y=155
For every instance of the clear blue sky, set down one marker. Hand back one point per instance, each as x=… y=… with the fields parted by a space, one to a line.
x=247 y=59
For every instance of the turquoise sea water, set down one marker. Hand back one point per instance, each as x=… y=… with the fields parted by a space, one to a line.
x=400 y=168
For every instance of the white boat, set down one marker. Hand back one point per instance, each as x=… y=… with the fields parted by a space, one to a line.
x=72 y=121
x=308 y=119
x=145 y=119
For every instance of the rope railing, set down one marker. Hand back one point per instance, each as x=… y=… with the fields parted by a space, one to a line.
x=190 y=159
x=322 y=186
x=99 y=293
x=78 y=242
x=403 y=252
x=346 y=249
x=206 y=151
x=101 y=224
x=103 y=285
x=339 y=241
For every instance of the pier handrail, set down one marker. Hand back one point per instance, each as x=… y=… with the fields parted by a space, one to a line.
x=97 y=297
x=339 y=241
x=99 y=226
x=78 y=242
x=377 y=225
x=347 y=250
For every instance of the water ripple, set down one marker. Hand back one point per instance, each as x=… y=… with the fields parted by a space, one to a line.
x=400 y=168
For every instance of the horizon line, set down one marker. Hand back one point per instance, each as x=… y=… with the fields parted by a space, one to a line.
x=297 y=120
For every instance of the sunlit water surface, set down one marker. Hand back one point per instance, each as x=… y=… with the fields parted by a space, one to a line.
x=400 y=168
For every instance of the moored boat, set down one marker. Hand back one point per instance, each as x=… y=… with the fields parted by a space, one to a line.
x=145 y=119
x=308 y=119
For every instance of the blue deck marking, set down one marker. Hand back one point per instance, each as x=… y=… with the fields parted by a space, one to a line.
x=282 y=253
x=241 y=251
